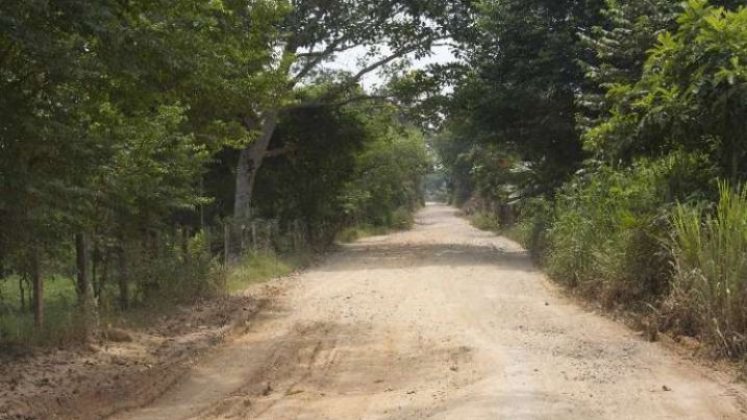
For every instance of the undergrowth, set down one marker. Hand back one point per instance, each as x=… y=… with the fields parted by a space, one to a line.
x=181 y=282
x=353 y=233
x=262 y=266
x=640 y=240
x=709 y=286
x=486 y=221
x=604 y=236
x=17 y=324
x=401 y=219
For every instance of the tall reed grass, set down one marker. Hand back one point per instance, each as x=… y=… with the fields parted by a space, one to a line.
x=603 y=237
x=710 y=262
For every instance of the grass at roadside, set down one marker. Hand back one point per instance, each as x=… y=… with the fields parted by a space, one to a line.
x=485 y=221
x=402 y=219
x=678 y=269
x=63 y=327
x=17 y=325
x=352 y=234
x=263 y=266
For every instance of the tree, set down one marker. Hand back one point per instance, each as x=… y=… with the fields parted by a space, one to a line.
x=303 y=184
x=691 y=95
x=314 y=32
x=388 y=184
x=620 y=45
x=525 y=74
x=109 y=113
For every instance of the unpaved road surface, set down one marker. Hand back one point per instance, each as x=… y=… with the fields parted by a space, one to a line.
x=441 y=322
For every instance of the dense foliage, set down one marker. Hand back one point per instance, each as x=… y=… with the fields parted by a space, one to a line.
x=121 y=124
x=144 y=143
x=606 y=128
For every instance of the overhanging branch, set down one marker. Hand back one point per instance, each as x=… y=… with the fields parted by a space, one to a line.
x=353 y=80
x=281 y=151
x=318 y=103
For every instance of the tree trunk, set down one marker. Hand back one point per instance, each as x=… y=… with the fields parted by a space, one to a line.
x=104 y=277
x=250 y=160
x=185 y=236
x=226 y=243
x=95 y=260
x=81 y=264
x=86 y=303
x=38 y=285
x=22 y=292
x=124 y=289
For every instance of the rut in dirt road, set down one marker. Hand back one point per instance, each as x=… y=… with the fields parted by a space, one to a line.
x=441 y=322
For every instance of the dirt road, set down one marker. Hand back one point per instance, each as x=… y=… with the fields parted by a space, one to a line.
x=441 y=322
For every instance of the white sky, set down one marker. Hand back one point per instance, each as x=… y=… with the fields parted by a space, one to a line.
x=349 y=61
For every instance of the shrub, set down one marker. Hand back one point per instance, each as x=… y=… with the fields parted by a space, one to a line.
x=486 y=221
x=177 y=274
x=63 y=323
x=530 y=229
x=402 y=218
x=262 y=266
x=710 y=280
x=607 y=230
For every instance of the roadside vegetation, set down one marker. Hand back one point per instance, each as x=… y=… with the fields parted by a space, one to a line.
x=153 y=153
x=611 y=143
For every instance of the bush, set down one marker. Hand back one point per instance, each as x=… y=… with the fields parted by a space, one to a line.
x=177 y=275
x=709 y=287
x=63 y=325
x=531 y=230
x=606 y=234
x=258 y=267
x=159 y=277
x=486 y=221
x=402 y=219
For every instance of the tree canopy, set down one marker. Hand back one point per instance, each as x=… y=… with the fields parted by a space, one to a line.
x=142 y=143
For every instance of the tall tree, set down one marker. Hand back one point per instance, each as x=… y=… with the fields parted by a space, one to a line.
x=691 y=94
x=619 y=43
x=521 y=94
x=313 y=34
x=109 y=112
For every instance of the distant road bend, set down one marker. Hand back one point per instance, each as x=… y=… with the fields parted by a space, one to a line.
x=440 y=322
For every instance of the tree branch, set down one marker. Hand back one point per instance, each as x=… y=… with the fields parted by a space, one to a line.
x=312 y=54
x=376 y=65
x=281 y=151
x=319 y=103
x=320 y=56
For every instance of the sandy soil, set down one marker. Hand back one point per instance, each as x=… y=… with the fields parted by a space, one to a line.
x=126 y=367
x=441 y=322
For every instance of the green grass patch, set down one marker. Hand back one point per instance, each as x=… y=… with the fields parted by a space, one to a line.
x=400 y=219
x=263 y=266
x=352 y=234
x=485 y=221
x=17 y=324
x=62 y=323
